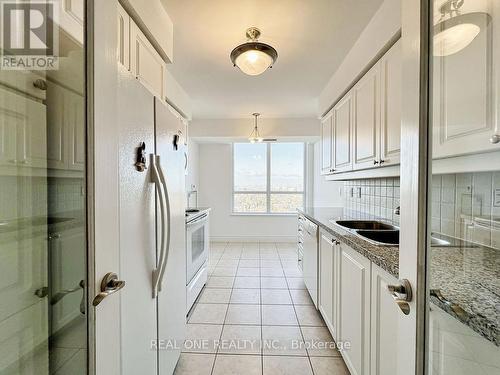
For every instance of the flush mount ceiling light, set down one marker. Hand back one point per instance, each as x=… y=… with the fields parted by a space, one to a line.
x=255 y=136
x=253 y=57
x=455 y=31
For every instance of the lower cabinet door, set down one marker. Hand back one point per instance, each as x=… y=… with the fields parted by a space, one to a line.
x=326 y=284
x=384 y=327
x=354 y=310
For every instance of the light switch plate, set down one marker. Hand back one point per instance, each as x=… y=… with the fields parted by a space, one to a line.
x=496 y=198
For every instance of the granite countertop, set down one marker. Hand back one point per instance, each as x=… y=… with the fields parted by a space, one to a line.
x=467 y=275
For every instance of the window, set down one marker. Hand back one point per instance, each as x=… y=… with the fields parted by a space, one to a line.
x=268 y=177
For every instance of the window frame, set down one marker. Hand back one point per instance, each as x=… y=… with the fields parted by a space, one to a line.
x=268 y=191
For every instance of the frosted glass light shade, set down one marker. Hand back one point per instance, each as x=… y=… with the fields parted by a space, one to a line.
x=455 y=39
x=254 y=58
x=456 y=33
x=253 y=62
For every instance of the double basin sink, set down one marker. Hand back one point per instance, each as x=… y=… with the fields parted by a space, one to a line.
x=379 y=233
x=375 y=232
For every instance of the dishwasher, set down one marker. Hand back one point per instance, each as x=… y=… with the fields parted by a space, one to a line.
x=310 y=260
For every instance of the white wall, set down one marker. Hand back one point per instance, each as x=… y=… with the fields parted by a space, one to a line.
x=383 y=28
x=215 y=168
x=325 y=193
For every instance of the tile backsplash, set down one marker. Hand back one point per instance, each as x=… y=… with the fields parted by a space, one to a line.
x=378 y=197
x=465 y=205
x=26 y=196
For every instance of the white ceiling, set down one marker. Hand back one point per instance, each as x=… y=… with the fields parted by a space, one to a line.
x=311 y=37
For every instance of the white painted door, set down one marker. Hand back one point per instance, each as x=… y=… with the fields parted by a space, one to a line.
x=326 y=144
x=354 y=309
x=145 y=63
x=327 y=274
x=390 y=113
x=366 y=96
x=342 y=133
x=446 y=291
x=137 y=228
x=172 y=294
x=56 y=129
x=383 y=330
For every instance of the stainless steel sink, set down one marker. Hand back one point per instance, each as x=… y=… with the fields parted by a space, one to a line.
x=380 y=237
x=365 y=225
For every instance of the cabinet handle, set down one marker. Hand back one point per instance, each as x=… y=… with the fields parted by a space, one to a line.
x=40 y=84
x=382 y=161
x=495 y=138
x=337 y=242
x=375 y=162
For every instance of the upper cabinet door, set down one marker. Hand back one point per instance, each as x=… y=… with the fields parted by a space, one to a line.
x=464 y=100
x=366 y=120
x=342 y=128
x=123 y=48
x=326 y=144
x=71 y=16
x=145 y=63
x=390 y=123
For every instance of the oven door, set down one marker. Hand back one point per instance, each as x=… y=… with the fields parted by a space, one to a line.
x=196 y=245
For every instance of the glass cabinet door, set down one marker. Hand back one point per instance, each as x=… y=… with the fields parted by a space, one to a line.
x=463 y=254
x=43 y=318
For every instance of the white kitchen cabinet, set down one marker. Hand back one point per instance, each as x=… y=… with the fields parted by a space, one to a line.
x=464 y=100
x=366 y=124
x=123 y=48
x=390 y=106
x=327 y=144
x=384 y=324
x=75 y=119
x=72 y=17
x=365 y=127
x=66 y=129
x=342 y=130
x=23 y=136
x=310 y=260
x=328 y=281
x=145 y=62
x=354 y=309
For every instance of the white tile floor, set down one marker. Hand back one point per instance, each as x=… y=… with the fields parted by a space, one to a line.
x=256 y=318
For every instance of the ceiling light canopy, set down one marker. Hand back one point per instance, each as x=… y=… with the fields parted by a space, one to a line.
x=253 y=57
x=455 y=31
x=255 y=136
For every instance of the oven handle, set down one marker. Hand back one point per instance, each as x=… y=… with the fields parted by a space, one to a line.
x=167 y=241
x=197 y=220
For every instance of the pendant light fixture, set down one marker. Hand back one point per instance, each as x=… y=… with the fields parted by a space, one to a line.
x=455 y=31
x=253 y=57
x=255 y=136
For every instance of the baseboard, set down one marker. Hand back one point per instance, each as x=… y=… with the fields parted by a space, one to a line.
x=253 y=239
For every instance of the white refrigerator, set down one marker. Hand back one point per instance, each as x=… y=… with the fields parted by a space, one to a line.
x=152 y=231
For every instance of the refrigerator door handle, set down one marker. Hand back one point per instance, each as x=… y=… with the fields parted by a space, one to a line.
x=163 y=263
x=155 y=176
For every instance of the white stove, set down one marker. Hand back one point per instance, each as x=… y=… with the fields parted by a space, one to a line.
x=197 y=247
